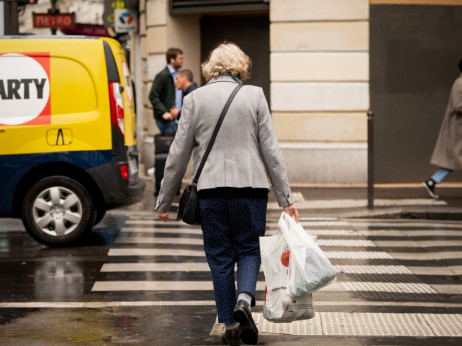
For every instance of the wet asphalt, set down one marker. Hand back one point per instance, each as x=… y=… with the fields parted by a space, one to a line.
x=48 y=295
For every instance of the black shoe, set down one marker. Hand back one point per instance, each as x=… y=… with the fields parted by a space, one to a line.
x=243 y=315
x=231 y=337
x=429 y=185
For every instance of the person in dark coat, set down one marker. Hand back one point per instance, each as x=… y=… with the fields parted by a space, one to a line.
x=185 y=82
x=447 y=154
x=166 y=100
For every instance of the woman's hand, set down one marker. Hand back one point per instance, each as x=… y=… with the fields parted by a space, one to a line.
x=163 y=216
x=292 y=211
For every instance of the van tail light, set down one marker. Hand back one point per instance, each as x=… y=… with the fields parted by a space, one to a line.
x=124 y=171
x=117 y=106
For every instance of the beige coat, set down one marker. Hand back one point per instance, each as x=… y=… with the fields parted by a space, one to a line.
x=245 y=150
x=448 y=148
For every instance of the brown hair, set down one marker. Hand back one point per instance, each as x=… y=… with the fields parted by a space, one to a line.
x=187 y=73
x=172 y=53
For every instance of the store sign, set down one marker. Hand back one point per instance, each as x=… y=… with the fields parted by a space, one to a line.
x=124 y=20
x=109 y=7
x=61 y=20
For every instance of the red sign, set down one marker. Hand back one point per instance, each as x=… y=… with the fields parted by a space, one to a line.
x=87 y=30
x=61 y=20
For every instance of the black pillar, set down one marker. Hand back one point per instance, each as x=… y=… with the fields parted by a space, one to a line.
x=11 y=17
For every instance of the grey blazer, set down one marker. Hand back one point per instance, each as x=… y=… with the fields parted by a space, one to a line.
x=245 y=144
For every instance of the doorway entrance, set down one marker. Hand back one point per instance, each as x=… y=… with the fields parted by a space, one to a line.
x=250 y=33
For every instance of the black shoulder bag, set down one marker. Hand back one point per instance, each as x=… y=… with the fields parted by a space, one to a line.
x=188 y=210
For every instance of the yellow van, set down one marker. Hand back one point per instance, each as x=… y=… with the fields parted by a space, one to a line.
x=67 y=134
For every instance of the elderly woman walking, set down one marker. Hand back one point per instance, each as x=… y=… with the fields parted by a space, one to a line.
x=233 y=188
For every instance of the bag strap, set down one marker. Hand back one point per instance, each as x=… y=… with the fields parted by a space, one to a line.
x=215 y=133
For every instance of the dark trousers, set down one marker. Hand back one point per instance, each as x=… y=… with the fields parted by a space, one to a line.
x=231 y=229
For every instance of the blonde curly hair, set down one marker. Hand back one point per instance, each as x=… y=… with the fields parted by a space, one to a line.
x=227 y=57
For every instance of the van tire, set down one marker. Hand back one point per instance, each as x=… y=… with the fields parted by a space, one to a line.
x=57 y=210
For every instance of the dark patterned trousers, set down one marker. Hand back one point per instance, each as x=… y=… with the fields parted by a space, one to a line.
x=231 y=230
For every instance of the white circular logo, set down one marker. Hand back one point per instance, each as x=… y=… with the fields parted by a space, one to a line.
x=24 y=89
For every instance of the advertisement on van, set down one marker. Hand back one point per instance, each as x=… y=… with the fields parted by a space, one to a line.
x=25 y=89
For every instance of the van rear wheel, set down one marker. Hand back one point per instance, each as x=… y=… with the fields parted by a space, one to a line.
x=57 y=210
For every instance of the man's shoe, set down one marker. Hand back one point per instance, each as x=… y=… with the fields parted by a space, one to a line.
x=243 y=315
x=231 y=337
x=429 y=185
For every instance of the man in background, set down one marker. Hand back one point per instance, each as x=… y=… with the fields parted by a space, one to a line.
x=184 y=82
x=164 y=97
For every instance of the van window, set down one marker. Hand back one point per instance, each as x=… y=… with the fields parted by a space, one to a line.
x=73 y=92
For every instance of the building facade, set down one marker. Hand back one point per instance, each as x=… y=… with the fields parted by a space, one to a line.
x=311 y=58
x=322 y=66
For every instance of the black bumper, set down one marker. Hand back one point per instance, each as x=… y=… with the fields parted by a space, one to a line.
x=116 y=191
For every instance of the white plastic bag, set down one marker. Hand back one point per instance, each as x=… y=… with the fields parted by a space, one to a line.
x=279 y=306
x=309 y=267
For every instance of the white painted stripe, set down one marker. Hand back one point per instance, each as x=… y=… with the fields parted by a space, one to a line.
x=156 y=252
x=74 y=305
x=426 y=255
x=368 y=269
x=155 y=267
x=203 y=267
x=361 y=203
x=322 y=145
x=408 y=233
x=200 y=253
x=358 y=254
x=395 y=287
x=417 y=243
x=324 y=223
x=426 y=224
x=345 y=242
x=115 y=286
x=318 y=219
x=152 y=240
x=160 y=230
x=143 y=221
x=131 y=213
x=333 y=232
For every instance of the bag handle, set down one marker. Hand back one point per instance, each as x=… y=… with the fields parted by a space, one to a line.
x=215 y=133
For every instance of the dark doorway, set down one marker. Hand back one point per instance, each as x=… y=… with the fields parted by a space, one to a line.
x=414 y=52
x=250 y=33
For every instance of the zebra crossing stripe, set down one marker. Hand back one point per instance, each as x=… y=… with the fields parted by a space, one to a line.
x=395 y=287
x=152 y=240
x=368 y=269
x=155 y=252
x=161 y=230
x=146 y=285
x=201 y=267
x=97 y=304
x=155 y=267
x=115 y=286
x=345 y=242
x=358 y=255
